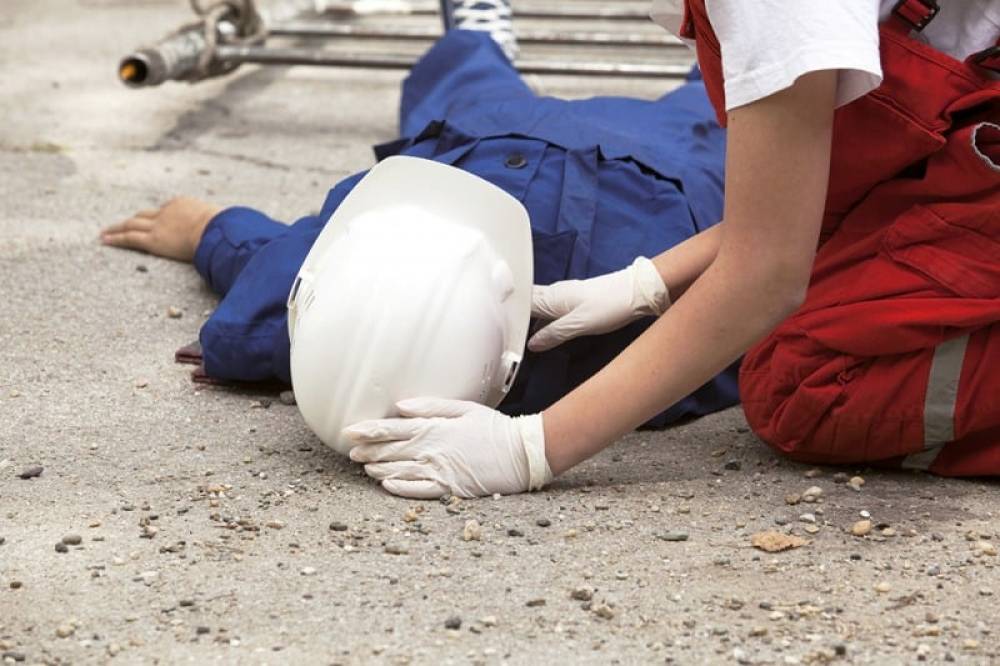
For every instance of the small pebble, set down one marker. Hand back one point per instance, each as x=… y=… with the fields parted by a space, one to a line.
x=733 y=465
x=72 y=539
x=287 y=398
x=488 y=620
x=201 y=629
x=186 y=603
x=275 y=524
x=14 y=656
x=62 y=548
x=883 y=587
x=856 y=482
x=308 y=571
x=396 y=549
x=807 y=518
x=986 y=548
x=65 y=630
x=673 y=536
x=543 y=522
x=812 y=473
x=338 y=526
x=514 y=532
x=812 y=494
x=16 y=585
x=31 y=472
x=534 y=603
x=840 y=477
x=861 y=528
x=454 y=623
x=793 y=499
x=141 y=268
x=174 y=312
x=582 y=594
x=472 y=531
x=604 y=612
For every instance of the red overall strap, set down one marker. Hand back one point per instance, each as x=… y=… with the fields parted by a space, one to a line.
x=696 y=26
x=911 y=15
x=987 y=58
x=915 y=14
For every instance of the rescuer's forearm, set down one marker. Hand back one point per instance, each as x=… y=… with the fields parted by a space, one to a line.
x=681 y=265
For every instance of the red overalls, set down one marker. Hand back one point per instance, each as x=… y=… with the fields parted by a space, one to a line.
x=894 y=358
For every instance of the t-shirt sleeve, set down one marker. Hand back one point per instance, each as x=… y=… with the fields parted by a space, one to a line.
x=768 y=44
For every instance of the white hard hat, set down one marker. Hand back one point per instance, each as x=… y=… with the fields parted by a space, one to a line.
x=420 y=284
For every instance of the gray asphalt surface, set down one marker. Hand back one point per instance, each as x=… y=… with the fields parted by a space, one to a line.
x=204 y=520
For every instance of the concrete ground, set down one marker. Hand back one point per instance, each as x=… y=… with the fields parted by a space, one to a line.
x=213 y=530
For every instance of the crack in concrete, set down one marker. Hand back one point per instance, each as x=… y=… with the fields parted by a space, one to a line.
x=256 y=161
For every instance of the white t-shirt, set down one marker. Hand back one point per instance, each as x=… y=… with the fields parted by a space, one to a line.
x=768 y=44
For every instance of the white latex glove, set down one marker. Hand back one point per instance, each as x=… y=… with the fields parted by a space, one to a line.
x=598 y=305
x=452 y=446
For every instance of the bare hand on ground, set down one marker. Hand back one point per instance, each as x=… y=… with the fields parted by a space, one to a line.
x=172 y=231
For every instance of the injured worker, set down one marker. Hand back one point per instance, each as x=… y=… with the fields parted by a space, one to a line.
x=400 y=312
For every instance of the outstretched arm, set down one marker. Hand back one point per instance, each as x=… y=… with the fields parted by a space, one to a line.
x=776 y=179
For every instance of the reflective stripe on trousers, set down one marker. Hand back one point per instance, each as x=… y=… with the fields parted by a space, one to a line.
x=939 y=404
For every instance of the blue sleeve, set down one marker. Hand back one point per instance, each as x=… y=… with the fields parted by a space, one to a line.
x=229 y=241
x=246 y=338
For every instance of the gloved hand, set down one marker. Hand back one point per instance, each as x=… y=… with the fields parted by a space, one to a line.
x=442 y=446
x=598 y=305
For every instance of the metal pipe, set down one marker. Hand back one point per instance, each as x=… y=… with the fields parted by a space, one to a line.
x=239 y=55
x=329 y=29
x=396 y=7
x=174 y=58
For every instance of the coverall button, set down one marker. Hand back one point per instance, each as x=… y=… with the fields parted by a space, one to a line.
x=516 y=161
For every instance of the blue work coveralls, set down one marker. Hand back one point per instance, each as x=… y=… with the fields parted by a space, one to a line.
x=604 y=180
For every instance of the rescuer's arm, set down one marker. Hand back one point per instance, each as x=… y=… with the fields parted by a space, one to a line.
x=777 y=169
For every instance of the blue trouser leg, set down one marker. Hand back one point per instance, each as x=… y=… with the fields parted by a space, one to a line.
x=463 y=68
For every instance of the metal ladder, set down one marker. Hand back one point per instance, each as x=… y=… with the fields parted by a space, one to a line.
x=559 y=37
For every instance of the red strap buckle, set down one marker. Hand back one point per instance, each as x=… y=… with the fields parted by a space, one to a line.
x=988 y=58
x=917 y=13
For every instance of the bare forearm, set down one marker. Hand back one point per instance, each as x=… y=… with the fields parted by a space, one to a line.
x=681 y=265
